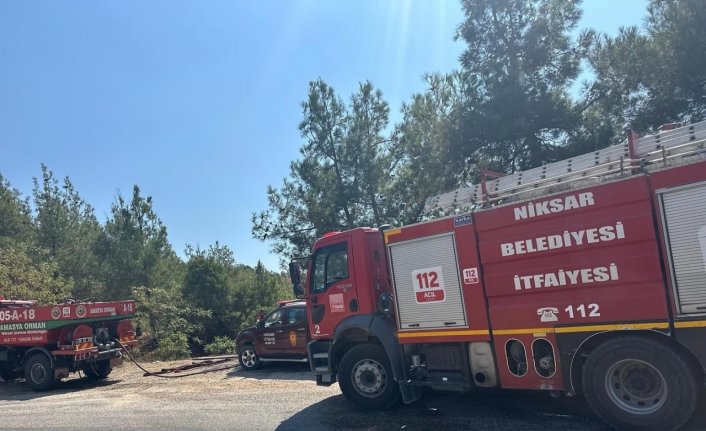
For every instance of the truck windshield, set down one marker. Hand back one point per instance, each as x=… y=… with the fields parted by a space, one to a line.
x=329 y=266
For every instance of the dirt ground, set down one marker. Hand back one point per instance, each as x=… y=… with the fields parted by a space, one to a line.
x=278 y=396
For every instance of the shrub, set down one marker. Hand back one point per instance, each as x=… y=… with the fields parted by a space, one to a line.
x=174 y=346
x=220 y=346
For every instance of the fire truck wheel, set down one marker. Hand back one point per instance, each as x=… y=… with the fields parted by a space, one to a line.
x=365 y=378
x=97 y=370
x=639 y=384
x=39 y=373
x=248 y=358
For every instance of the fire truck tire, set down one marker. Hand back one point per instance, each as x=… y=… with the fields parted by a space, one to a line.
x=248 y=358
x=366 y=379
x=637 y=383
x=97 y=370
x=39 y=373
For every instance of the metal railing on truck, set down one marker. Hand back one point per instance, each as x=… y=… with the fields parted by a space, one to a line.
x=673 y=144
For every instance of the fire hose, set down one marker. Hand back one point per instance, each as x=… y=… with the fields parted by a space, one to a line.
x=160 y=374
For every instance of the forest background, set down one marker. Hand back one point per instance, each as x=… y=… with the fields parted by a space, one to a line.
x=508 y=106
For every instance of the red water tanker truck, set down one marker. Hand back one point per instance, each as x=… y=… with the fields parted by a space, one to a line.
x=583 y=276
x=44 y=344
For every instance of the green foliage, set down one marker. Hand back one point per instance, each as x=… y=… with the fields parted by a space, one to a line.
x=343 y=177
x=232 y=293
x=209 y=286
x=174 y=346
x=257 y=289
x=68 y=229
x=650 y=76
x=134 y=246
x=220 y=346
x=677 y=82
x=521 y=61
x=430 y=124
x=60 y=250
x=163 y=311
x=508 y=108
x=15 y=214
x=21 y=277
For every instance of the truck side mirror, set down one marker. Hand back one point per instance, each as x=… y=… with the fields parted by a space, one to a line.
x=295 y=276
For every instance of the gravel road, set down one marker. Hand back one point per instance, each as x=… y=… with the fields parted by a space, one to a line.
x=277 y=397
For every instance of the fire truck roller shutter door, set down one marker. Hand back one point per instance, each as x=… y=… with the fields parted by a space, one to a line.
x=684 y=217
x=427 y=283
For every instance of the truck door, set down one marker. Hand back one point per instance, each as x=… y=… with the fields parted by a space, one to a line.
x=293 y=334
x=332 y=293
x=267 y=335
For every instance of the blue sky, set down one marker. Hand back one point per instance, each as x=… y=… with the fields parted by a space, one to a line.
x=198 y=102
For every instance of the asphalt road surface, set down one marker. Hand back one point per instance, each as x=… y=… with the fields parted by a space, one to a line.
x=277 y=397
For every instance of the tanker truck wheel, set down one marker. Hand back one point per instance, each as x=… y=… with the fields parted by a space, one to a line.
x=39 y=373
x=365 y=377
x=637 y=383
x=97 y=370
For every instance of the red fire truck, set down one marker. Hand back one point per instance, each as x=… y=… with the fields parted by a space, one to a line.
x=584 y=276
x=46 y=343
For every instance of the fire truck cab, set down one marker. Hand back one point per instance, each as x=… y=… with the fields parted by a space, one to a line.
x=582 y=276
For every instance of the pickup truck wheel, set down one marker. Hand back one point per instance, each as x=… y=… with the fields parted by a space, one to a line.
x=39 y=373
x=248 y=358
x=97 y=370
x=366 y=379
x=639 y=384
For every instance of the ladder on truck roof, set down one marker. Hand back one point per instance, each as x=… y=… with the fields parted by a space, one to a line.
x=670 y=145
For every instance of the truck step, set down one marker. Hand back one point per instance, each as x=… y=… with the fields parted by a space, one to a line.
x=323 y=369
x=458 y=384
x=323 y=355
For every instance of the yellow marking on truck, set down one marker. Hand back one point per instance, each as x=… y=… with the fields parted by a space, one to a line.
x=522 y=331
x=618 y=327
x=443 y=333
x=691 y=324
x=391 y=232
x=587 y=328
